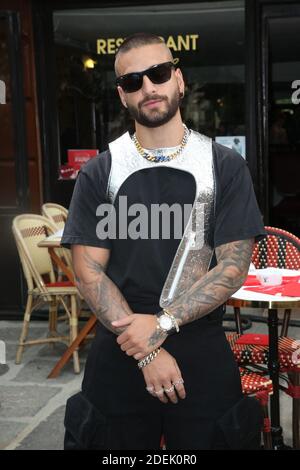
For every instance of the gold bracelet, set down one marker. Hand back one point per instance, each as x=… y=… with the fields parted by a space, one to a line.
x=146 y=360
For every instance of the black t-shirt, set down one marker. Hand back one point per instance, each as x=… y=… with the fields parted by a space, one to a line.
x=139 y=267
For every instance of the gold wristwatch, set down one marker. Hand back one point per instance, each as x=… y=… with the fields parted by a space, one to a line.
x=166 y=322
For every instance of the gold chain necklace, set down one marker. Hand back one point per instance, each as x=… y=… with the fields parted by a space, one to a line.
x=161 y=158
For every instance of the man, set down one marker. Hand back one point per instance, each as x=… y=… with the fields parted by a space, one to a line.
x=187 y=381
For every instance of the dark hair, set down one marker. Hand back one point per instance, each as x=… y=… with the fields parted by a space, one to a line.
x=138 y=40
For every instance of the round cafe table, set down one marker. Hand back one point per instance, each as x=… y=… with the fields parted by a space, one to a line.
x=245 y=298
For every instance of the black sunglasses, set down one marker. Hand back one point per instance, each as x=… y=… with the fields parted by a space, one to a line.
x=158 y=74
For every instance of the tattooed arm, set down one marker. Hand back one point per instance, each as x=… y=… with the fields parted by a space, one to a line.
x=213 y=289
x=204 y=296
x=100 y=293
x=108 y=304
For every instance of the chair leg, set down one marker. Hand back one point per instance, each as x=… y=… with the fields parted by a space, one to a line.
x=294 y=378
x=53 y=318
x=25 y=329
x=74 y=332
x=162 y=444
x=286 y=321
x=238 y=322
x=267 y=436
x=263 y=398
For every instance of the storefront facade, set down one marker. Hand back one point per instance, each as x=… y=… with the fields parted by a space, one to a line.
x=240 y=61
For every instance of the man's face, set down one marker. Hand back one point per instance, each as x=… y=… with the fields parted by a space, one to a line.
x=152 y=105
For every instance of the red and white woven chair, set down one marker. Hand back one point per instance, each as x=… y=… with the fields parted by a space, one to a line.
x=255 y=384
x=289 y=360
x=278 y=249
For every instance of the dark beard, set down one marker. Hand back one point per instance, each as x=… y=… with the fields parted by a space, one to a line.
x=158 y=118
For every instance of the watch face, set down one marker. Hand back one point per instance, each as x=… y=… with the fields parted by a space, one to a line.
x=165 y=322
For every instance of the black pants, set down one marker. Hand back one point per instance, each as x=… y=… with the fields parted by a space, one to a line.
x=87 y=429
x=114 y=411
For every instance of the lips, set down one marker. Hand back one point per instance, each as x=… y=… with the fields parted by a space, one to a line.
x=152 y=103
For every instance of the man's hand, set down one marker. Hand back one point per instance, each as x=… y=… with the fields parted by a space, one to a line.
x=163 y=378
x=141 y=336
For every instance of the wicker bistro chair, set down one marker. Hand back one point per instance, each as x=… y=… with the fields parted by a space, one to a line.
x=279 y=249
x=58 y=216
x=28 y=231
x=55 y=212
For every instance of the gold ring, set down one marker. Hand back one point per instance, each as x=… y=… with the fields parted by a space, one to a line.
x=178 y=382
x=171 y=389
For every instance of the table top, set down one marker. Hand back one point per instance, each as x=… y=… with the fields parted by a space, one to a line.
x=247 y=298
x=52 y=241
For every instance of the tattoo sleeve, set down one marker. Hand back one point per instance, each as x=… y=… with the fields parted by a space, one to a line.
x=101 y=294
x=213 y=289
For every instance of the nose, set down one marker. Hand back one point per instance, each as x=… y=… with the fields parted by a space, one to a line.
x=148 y=86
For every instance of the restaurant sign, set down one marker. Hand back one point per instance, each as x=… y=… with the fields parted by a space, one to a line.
x=76 y=159
x=187 y=42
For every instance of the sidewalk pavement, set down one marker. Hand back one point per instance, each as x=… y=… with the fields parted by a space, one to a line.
x=32 y=407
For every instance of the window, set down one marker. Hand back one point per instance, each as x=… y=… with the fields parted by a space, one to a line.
x=206 y=38
x=8 y=191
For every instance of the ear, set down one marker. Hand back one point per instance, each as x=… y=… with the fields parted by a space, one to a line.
x=180 y=81
x=122 y=96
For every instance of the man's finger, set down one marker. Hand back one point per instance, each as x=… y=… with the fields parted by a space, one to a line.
x=126 y=345
x=179 y=381
x=179 y=387
x=132 y=352
x=123 y=337
x=160 y=394
x=139 y=356
x=150 y=389
x=170 y=392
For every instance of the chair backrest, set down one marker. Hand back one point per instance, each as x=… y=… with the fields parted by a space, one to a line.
x=279 y=249
x=56 y=213
x=29 y=230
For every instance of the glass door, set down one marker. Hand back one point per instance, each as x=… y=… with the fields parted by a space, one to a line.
x=282 y=115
